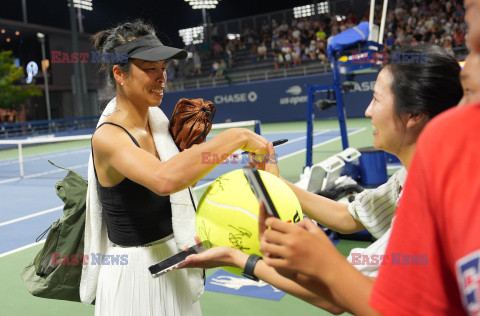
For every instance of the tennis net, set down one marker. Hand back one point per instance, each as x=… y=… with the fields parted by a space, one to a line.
x=28 y=158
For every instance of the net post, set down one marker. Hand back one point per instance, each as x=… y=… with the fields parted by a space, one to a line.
x=20 y=159
x=310 y=118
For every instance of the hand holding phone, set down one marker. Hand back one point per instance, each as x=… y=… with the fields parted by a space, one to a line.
x=259 y=189
x=176 y=260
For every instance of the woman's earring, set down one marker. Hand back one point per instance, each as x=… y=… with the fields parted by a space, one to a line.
x=122 y=83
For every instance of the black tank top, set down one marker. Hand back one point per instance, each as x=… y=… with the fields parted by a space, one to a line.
x=134 y=214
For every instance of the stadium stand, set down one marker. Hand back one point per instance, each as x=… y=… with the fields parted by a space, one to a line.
x=301 y=43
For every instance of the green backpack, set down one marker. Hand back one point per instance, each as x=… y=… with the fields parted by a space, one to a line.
x=56 y=270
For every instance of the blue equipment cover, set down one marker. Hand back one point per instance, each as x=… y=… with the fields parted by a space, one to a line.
x=348 y=38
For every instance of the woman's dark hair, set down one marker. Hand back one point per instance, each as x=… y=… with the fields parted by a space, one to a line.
x=426 y=79
x=107 y=40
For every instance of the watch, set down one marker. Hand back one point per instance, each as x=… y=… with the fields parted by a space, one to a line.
x=250 y=266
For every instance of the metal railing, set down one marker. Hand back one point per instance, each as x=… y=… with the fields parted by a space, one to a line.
x=249 y=76
x=44 y=127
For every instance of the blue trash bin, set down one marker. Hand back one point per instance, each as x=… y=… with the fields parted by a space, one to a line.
x=373 y=167
x=352 y=169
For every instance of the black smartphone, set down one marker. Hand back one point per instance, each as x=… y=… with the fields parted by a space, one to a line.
x=258 y=188
x=176 y=260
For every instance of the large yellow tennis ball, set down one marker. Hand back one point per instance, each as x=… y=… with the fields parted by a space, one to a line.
x=227 y=213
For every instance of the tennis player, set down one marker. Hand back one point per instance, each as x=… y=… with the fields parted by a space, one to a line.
x=139 y=205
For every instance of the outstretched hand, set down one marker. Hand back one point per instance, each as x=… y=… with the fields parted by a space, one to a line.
x=210 y=258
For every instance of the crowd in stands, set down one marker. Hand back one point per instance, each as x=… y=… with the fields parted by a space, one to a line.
x=440 y=22
x=290 y=44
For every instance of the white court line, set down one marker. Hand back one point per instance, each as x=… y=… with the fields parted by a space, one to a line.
x=305 y=137
x=43 y=173
x=31 y=215
x=280 y=132
x=204 y=185
x=324 y=143
x=14 y=161
x=21 y=248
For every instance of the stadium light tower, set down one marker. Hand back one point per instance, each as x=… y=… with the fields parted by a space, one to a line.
x=41 y=39
x=204 y=5
x=82 y=5
x=78 y=82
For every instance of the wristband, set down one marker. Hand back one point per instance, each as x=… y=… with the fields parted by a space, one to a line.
x=250 y=266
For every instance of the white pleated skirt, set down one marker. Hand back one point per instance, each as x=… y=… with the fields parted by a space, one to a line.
x=130 y=289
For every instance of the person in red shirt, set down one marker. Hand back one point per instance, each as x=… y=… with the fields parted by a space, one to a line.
x=458 y=38
x=440 y=201
x=437 y=217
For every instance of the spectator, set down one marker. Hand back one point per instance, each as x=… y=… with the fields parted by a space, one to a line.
x=275 y=38
x=230 y=46
x=390 y=41
x=286 y=52
x=320 y=34
x=229 y=58
x=321 y=52
x=254 y=52
x=262 y=51
x=197 y=63
x=240 y=43
x=216 y=49
x=447 y=45
x=433 y=40
x=458 y=38
x=296 y=34
x=448 y=26
x=214 y=71
x=296 y=54
x=312 y=50
x=277 y=57
x=172 y=70
x=284 y=26
x=221 y=68
x=459 y=12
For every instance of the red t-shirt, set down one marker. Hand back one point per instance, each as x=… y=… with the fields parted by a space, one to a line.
x=438 y=218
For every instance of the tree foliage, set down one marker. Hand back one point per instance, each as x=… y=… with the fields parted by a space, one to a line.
x=12 y=94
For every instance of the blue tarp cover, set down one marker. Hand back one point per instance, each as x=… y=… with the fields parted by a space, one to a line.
x=348 y=37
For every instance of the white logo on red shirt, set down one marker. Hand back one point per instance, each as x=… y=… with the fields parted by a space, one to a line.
x=468 y=277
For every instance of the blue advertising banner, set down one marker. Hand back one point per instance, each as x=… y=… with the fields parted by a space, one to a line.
x=276 y=100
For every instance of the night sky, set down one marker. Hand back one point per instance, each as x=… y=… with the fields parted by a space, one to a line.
x=167 y=16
